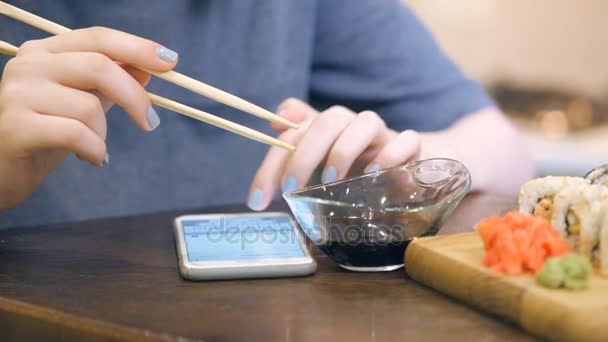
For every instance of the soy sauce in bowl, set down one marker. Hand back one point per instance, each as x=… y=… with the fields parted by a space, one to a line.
x=374 y=243
x=366 y=223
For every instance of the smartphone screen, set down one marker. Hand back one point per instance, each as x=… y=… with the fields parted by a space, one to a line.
x=225 y=238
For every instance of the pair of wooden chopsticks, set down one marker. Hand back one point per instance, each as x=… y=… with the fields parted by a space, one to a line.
x=175 y=78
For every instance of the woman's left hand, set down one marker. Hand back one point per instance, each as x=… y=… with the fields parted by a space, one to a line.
x=345 y=142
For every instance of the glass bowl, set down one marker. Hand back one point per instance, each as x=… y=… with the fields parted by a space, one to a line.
x=365 y=223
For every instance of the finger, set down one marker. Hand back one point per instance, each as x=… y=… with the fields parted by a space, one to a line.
x=41 y=132
x=106 y=103
x=314 y=146
x=404 y=147
x=70 y=103
x=295 y=111
x=117 y=45
x=140 y=76
x=93 y=71
x=268 y=177
x=366 y=130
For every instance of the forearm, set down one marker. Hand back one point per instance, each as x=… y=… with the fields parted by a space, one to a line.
x=489 y=146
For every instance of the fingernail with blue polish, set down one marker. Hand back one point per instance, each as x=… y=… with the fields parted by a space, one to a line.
x=373 y=168
x=255 y=199
x=166 y=54
x=291 y=184
x=106 y=160
x=330 y=175
x=153 y=118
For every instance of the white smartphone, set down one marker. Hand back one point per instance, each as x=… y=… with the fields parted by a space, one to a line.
x=238 y=246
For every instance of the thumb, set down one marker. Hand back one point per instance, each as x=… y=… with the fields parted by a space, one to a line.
x=294 y=110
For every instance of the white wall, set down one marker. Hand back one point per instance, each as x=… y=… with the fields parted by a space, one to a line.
x=554 y=43
x=559 y=44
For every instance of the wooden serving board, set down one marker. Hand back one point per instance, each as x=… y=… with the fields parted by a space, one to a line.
x=452 y=265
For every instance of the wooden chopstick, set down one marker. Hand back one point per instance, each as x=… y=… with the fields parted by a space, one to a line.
x=8 y=49
x=171 y=76
x=218 y=122
x=11 y=50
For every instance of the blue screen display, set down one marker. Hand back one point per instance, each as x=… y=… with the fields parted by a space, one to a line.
x=241 y=238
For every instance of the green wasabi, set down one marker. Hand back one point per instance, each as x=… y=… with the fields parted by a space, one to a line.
x=577 y=269
x=570 y=271
x=551 y=274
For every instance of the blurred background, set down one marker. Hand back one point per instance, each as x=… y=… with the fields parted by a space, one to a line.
x=546 y=64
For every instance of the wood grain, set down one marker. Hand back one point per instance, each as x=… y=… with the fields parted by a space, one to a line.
x=119 y=276
x=27 y=322
x=452 y=265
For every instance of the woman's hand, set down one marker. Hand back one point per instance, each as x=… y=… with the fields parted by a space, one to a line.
x=345 y=142
x=53 y=99
x=484 y=141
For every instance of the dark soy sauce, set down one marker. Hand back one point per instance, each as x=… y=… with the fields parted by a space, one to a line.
x=376 y=241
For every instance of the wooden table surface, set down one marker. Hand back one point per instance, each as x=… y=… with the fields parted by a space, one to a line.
x=117 y=279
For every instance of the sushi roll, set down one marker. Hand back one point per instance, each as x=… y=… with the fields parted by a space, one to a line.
x=536 y=196
x=599 y=175
x=601 y=255
x=576 y=216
